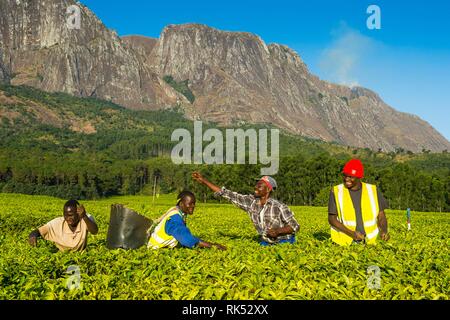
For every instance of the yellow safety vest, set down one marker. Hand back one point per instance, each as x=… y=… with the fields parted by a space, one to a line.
x=159 y=237
x=347 y=215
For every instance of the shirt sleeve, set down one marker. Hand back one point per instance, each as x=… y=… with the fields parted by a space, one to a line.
x=242 y=201
x=288 y=217
x=382 y=203
x=43 y=231
x=176 y=228
x=47 y=231
x=332 y=204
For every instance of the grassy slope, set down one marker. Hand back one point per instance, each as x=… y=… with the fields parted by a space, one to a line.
x=57 y=121
x=37 y=121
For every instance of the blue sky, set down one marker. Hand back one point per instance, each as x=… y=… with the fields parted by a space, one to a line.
x=407 y=61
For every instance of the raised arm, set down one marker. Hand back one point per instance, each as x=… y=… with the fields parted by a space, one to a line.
x=90 y=224
x=242 y=201
x=197 y=176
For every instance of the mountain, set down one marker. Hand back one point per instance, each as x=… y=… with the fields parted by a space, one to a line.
x=220 y=76
x=85 y=148
x=38 y=49
x=65 y=124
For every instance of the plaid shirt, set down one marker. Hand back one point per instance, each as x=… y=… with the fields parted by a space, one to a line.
x=273 y=214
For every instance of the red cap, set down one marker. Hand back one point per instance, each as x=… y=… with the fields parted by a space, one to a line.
x=270 y=182
x=354 y=168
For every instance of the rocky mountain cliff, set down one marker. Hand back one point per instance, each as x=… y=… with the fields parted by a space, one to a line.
x=234 y=76
x=38 y=49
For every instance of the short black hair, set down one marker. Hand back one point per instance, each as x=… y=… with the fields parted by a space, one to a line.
x=71 y=204
x=184 y=194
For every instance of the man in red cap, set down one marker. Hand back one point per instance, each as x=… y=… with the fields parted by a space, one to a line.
x=273 y=220
x=356 y=209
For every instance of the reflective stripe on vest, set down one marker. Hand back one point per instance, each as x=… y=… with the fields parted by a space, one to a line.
x=159 y=237
x=347 y=215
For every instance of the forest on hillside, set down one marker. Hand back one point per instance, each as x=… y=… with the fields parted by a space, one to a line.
x=128 y=152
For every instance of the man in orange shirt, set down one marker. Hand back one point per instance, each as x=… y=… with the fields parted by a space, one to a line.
x=68 y=232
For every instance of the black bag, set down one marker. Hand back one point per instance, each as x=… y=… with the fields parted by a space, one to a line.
x=127 y=229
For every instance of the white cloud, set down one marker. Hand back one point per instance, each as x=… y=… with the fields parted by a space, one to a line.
x=340 y=62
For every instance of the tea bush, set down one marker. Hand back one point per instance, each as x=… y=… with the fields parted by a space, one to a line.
x=413 y=265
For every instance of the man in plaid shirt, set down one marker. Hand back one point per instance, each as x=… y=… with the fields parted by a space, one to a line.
x=273 y=220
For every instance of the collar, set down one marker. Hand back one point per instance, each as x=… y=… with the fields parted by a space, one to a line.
x=269 y=201
x=360 y=188
x=66 y=228
x=183 y=215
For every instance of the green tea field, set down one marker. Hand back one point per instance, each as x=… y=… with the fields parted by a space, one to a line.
x=412 y=265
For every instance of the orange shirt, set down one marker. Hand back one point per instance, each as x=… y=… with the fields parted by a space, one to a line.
x=58 y=231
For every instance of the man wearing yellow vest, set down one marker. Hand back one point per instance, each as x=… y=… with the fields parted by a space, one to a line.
x=356 y=209
x=172 y=231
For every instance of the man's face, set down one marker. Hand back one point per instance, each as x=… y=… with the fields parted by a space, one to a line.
x=350 y=182
x=261 y=189
x=71 y=216
x=187 y=205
